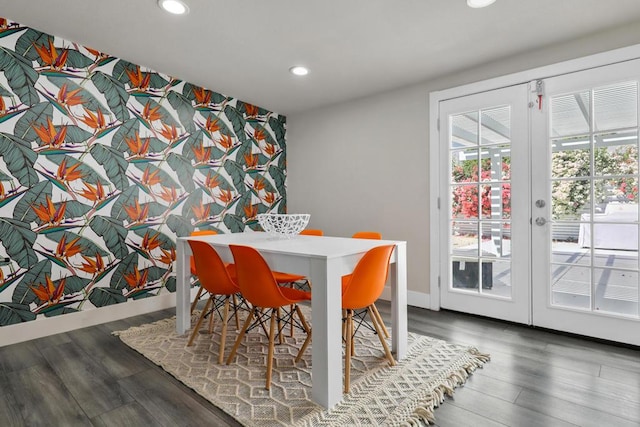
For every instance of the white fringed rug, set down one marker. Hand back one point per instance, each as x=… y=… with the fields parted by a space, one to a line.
x=403 y=395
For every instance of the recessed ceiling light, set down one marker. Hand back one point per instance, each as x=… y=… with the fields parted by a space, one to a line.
x=176 y=7
x=299 y=70
x=479 y=3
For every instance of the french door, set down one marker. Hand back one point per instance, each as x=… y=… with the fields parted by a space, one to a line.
x=585 y=231
x=540 y=214
x=485 y=255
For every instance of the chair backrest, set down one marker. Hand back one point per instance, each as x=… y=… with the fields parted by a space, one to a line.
x=374 y=235
x=199 y=233
x=211 y=271
x=312 y=232
x=368 y=278
x=255 y=278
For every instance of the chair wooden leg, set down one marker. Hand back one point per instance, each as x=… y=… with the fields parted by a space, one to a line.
x=347 y=351
x=307 y=329
x=240 y=336
x=223 y=334
x=380 y=321
x=272 y=338
x=196 y=328
x=291 y=323
x=387 y=352
x=235 y=311
x=196 y=299
x=279 y=316
x=213 y=316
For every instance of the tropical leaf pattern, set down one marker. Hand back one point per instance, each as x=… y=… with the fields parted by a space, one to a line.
x=103 y=163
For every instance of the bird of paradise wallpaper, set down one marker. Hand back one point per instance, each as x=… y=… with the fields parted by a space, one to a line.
x=103 y=163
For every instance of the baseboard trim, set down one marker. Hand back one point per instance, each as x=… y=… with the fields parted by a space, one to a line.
x=414 y=299
x=20 y=332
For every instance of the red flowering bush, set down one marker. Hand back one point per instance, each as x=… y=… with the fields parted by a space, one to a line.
x=465 y=197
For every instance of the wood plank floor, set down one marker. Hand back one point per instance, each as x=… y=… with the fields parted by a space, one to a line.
x=535 y=378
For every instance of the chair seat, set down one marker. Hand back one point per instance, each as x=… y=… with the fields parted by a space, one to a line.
x=279 y=276
x=296 y=294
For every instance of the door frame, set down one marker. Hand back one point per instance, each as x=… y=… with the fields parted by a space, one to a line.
x=436 y=200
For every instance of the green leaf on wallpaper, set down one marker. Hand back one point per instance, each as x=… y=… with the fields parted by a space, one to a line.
x=19 y=159
x=74 y=284
x=166 y=242
x=128 y=265
x=187 y=92
x=222 y=182
x=156 y=81
x=183 y=169
x=114 y=164
x=259 y=178
x=20 y=75
x=35 y=116
x=77 y=59
x=89 y=247
x=90 y=102
x=76 y=135
x=179 y=225
x=34 y=196
x=194 y=199
x=170 y=284
x=237 y=121
x=11 y=313
x=237 y=174
x=184 y=108
x=241 y=106
x=165 y=178
x=102 y=297
x=282 y=161
x=234 y=223
x=8 y=31
x=155 y=273
x=4 y=92
x=279 y=178
x=127 y=129
x=30 y=38
x=244 y=200
x=75 y=209
x=18 y=240
x=160 y=109
x=278 y=127
x=193 y=142
x=127 y=198
x=114 y=92
x=35 y=276
x=60 y=309
x=113 y=233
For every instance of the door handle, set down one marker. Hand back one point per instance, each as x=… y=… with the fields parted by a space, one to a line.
x=540 y=221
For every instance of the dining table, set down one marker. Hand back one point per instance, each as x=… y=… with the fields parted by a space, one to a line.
x=323 y=260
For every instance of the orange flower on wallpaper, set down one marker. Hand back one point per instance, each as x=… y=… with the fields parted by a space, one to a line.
x=202 y=153
x=50 y=55
x=259 y=134
x=200 y=212
x=226 y=142
x=168 y=257
x=48 y=213
x=270 y=149
x=150 y=178
x=135 y=280
x=92 y=193
x=49 y=135
x=251 y=160
x=67 y=250
x=149 y=242
x=137 y=146
x=211 y=181
x=151 y=114
x=92 y=267
x=94 y=121
x=252 y=110
x=270 y=197
x=69 y=98
x=139 y=80
x=69 y=173
x=258 y=184
x=203 y=96
x=169 y=195
x=250 y=211
x=48 y=292
x=226 y=196
x=212 y=125
x=169 y=132
x=137 y=213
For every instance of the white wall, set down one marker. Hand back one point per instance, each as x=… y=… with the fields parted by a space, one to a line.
x=363 y=164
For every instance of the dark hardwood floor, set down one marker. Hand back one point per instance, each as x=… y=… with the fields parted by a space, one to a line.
x=535 y=378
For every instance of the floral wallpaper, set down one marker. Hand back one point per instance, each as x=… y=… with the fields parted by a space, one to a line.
x=103 y=163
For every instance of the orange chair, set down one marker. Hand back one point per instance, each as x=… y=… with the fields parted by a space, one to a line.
x=312 y=232
x=362 y=289
x=215 y=279
x=193 y=265
x=260 y=288
x=374 y=235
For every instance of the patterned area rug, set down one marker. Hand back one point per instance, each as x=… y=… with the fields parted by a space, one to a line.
x=405 y=394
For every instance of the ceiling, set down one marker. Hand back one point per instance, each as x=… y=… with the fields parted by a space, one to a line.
x=353 y=47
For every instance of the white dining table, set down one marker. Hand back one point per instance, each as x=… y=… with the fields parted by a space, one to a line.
x=324 y=260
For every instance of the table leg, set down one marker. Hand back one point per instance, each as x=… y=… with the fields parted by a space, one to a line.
x=326 y=306
x=399 y=334
x=183 y=291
